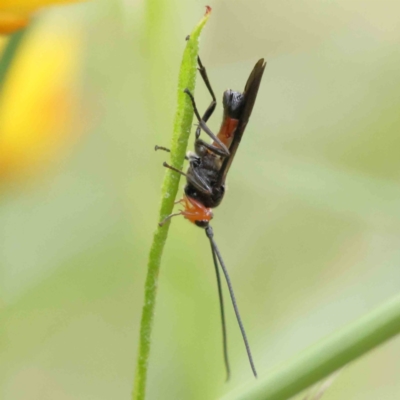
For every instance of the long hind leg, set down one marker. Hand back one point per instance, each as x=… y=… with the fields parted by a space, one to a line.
x=206 y=129
x=210 y=109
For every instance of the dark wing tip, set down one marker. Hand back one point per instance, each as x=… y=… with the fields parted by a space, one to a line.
x=261 y=63
x=251 y=88
x=256 y=74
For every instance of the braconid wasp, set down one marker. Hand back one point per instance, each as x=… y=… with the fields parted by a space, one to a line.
x=206 y=175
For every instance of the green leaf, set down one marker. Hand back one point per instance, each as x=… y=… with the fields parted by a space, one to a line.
x=325 y=357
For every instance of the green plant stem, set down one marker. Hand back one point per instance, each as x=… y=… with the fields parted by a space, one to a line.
x=9 y=53
x=325 y=357
x=182 y=127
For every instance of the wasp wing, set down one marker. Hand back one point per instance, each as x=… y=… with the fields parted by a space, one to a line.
x=249 y=98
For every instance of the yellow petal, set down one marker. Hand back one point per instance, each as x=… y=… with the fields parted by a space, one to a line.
x=15 y=14
x=10 y=23
x=27 y=6
x=38 y=101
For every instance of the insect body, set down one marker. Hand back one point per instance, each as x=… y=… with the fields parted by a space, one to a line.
x=208 y=167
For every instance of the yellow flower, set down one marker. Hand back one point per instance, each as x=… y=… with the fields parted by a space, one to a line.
x=38 y=100
x=15 y=14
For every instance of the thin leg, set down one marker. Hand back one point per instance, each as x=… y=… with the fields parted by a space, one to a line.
x=194 y=179
x=162 y=148
x=166 y=149
x=204 y=126
x=204 y=75
x=210 y=109
x=210 y=235
x=197 y=180
x=216 y=150
x=168 y=218
x=221 y=306
x=174 y=169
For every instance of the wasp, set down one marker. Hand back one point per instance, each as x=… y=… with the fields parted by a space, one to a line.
x=207 y=172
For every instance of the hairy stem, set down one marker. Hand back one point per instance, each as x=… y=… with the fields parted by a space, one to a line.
x=181 y=131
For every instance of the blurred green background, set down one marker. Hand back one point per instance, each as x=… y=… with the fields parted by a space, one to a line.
x=309 y=228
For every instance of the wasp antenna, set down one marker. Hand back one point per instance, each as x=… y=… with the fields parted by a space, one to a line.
x=210 y=235
x=221 y=306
